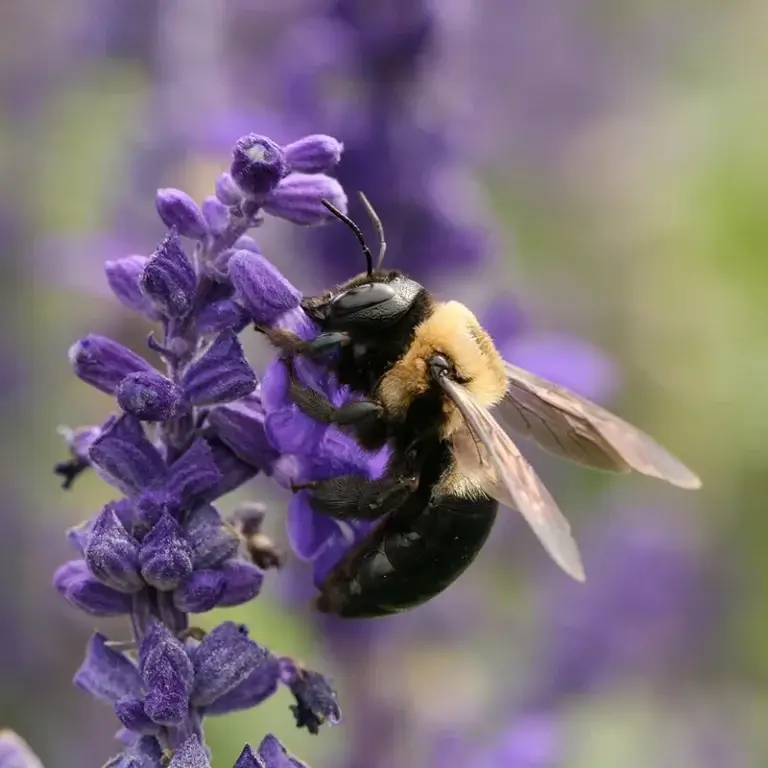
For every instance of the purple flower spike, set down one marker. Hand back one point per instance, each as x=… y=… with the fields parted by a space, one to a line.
x=314 y=154
x=200 y=592
x=223 y=660
x=75 y=583
x=104 y=363
x=125 y=457
x=167 y=673
x=169 y=278
x=106 y=673
x=191 y=754
x=131 y=713
x=265 y=293
x=165 y=557
x=274 y=755
x=297 y=198
x=178 y=210
x=124 y=280
x=227 y=191
x=16 y=753
x=221 y=373
x=258 y=164
x=149 y=396
x=112 y=554
x=240 y=426
x=242 y=582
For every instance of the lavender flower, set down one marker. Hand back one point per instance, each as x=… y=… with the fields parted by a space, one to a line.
x=185 y=436
x=15 y=752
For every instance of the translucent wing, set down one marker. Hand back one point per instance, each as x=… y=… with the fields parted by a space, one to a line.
x=570 y=426
x=514 y=482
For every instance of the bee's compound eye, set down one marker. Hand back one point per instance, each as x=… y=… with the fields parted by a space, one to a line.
x=362 y=297
x=440 y=365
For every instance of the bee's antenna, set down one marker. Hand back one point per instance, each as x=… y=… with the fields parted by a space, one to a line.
x=358 y=233
x=379 y=228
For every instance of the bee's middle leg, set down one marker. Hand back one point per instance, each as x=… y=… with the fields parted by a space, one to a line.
x=357 y=498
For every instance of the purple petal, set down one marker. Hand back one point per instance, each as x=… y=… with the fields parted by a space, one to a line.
x=107 y=674
x=169 y=278
x=149 y=396
x=255 y=689
x=167 y=673
x=234 y=472
x=104 y=363
x=112 y=554
x=290 y=430
x=178 y=210
x=216 y=215
x=210 y=540
x=314 y=154
x=130 y=712
x=248 y=759
x=216 y=316
x=223 y=660
x=165 y=556
x=193 y=474
x=242 y=582
x=258 y=164
x=191 y=754
x=273 y=389
x=275 y=755
x=80 y=587
x=125 y=457
x=297 y=198
x=265 y=293
x=221 y=373
x=308 y=531
x=240 y=426
x=227 y=191
x=16 y=753
x=124 y=279
x=201 y=591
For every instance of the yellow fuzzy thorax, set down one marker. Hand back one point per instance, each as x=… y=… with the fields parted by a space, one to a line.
x=453 y=331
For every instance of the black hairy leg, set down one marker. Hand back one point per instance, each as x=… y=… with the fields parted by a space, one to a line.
x=292 y=343
x=357 y=498
x=365 y=418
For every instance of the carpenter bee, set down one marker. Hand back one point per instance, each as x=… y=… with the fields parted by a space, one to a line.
x=434 y=385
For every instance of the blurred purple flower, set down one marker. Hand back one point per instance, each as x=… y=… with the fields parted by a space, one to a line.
x=163 y=551
x=15 y=752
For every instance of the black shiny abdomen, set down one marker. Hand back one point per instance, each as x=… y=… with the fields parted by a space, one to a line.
x=410 y=558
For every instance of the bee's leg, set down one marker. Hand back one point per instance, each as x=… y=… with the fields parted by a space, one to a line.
x=366 y=419
x=290 y=342
x=357 y=498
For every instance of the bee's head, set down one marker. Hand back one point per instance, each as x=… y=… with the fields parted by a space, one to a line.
x=376 y=299
x=371 y=305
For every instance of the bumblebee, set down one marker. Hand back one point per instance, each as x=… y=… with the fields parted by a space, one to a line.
x=435 y=390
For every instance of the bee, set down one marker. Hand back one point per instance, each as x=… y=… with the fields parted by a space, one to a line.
x=436 y=391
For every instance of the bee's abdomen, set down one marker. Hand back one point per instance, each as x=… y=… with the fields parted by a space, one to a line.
x=412 y=557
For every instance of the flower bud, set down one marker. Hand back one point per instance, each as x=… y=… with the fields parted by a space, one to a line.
x=314 y=154
x=112 y=554
x=298 y=198
x=169 y=278
x=123 y=278
x=104 y=363
x=149 y=396
x=265 y=293
x=258 y=164
x=178 y=210
x=165 y=557
x=227 y=191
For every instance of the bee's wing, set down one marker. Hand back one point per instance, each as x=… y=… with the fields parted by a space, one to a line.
x=570 y=426
x=514 y=482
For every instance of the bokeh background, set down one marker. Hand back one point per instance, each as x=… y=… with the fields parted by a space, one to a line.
x=592 y=178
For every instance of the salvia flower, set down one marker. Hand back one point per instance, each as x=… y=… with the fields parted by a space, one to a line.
x=183 y=436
